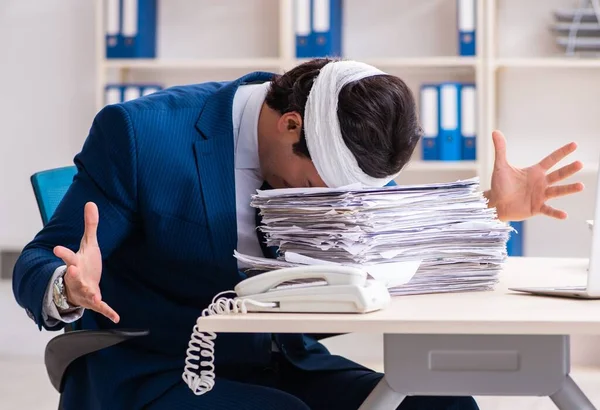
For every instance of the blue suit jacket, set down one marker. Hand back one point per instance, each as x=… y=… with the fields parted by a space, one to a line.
x=161 y=171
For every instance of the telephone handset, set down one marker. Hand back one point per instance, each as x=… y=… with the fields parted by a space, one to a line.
x=333 y=274
x=311 y=289
x=322 y=289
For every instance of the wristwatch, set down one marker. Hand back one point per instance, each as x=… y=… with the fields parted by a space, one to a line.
x=59 y=294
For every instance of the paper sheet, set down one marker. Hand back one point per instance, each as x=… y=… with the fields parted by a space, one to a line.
x=391 y=274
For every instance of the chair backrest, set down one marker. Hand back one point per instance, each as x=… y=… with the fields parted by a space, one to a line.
x=49 y=188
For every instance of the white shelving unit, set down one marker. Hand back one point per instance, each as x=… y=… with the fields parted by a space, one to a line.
x=541 y=99
x=526 y=87
x=438 y=61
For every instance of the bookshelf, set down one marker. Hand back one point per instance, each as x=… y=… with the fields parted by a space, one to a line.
x=525 y=85
x=541 y=98
x=273 y=28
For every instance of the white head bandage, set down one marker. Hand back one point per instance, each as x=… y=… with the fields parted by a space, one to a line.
x=334 y=162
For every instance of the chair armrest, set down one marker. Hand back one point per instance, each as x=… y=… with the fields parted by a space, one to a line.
x=63 y=350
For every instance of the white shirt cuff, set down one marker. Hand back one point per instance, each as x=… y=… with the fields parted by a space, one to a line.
x=50 y=312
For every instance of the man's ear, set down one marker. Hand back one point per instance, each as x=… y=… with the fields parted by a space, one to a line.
x=290 y=125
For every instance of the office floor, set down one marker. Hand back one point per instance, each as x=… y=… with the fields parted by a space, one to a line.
x=24 y=384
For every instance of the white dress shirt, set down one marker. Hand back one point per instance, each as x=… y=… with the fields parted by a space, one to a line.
x=247 y=103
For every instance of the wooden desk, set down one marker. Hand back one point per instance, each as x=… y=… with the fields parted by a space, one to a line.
x=492 y=328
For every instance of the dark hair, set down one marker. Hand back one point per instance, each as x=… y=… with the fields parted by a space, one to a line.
x=378 y=116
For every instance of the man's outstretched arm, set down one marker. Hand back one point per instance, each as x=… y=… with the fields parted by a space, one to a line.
x=107 y=177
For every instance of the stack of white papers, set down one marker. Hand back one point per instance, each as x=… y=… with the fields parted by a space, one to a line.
x=417 y=239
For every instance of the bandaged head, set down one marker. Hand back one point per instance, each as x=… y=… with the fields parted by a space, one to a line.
x=334 y=161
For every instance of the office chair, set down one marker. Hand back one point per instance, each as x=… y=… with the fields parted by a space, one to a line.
x=49 y=187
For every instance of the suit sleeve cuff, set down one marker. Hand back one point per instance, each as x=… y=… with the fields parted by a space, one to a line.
x=50 y=313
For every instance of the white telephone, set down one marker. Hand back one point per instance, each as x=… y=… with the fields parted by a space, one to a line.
x=323 y=289
x=309 y=289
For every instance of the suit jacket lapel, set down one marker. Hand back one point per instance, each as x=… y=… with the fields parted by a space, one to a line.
x=214 y=154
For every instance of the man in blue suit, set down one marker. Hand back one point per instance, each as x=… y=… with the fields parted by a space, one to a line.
x=144 y=238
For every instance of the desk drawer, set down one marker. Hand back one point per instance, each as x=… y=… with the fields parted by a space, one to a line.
x=476 y=364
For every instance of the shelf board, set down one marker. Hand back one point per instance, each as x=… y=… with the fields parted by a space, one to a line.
x=548 y=62
x=432 y=166
x=250 y=63
x=156 y=64
x=423 y=62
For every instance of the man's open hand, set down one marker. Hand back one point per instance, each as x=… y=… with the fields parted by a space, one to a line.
x=84 y=268
x=520 y=193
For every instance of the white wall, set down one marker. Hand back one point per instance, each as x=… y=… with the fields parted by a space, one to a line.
x=46 y=102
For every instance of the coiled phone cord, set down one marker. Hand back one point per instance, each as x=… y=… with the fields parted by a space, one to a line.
x=202 y=343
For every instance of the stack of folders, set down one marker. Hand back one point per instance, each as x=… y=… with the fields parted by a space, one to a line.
x=118 y=93
x=445 y=232
x=448 y=117
x=130 y=28
x=578 y=29
x=318 y=28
